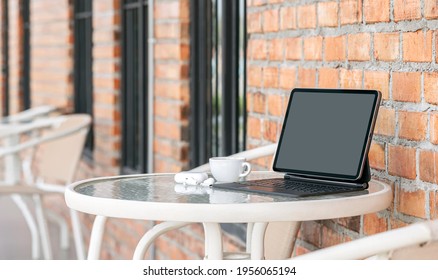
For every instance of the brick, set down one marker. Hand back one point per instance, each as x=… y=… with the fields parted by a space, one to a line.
x=255 y=76
x=177 y=91
x=259 y=103
x=376 y=11
x=385 y=124
x=307 y=16
x=334 y=49
x=276 y=49
x=300 y=250
x=351 y=223
x=169 y=149
x=288 y=18
x=407 y=10
x=270 y=21
x=293 y=48
x=376 y=156
x=270 y=130
x=406 y=86
x=311 y=233
x=431 y=88
x=434 y=128
x=167 y=10
x=359 y=46
x=428 y=163
x=275 y=105
x=351 y=78
x=270 y=77
x=433 y=205
x=178 y=51
x=331 y=237
x=350 y=11
x=386 y=46
x=287 y=78
x=328 y=78
x=258 y=50
x=412 y=203
x=172 y=71
x=377 y=80
x=306 y=77
x=328 y=14
x=402 y=162
x=254 y=127
x=170 y=110
x=412 y=125
x=313 y=48
x=417 y=46
x=374 y=223
x=254 y=22
x=171 y=30
x=165 y=129
x=395 y=223
x=431 y=9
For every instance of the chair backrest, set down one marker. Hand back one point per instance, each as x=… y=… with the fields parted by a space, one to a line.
x=57 y=158
x=416 y=241
x=255 y=153
x=30 y=114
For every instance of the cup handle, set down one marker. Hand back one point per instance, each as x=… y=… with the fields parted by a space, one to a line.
x=248 y=169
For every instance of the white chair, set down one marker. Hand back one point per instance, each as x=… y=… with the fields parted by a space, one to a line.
x=279 y=237
x=55 y=146
x=29 y=114
x=414 y=242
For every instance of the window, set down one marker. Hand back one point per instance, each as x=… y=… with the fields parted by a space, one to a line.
x=218 y=116
x=83 y=72
x=134 y=86
x=218 y=78
x=25 y=58
x=5 y=58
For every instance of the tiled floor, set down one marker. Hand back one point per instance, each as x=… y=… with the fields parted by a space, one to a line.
x=15 y=239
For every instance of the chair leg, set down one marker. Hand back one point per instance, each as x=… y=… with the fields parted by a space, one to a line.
x=152 y=234
x=30 y=221
x=44 y=230
x=77 y=234
x=63 y=229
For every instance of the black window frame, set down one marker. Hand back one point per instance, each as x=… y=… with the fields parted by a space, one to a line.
x=215 y=128
x=5 y=57
x=83 y=64
x=134 y=85
x=218 y=53
x=25 y=57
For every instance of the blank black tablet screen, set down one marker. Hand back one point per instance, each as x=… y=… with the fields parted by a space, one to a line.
x=325 y=133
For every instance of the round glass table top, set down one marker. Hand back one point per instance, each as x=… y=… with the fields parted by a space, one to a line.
x=158 y=197
x=162 y=188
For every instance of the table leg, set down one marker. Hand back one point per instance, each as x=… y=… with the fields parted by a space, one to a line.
x=150 y=236
x=249 y=228
x=96 y=237
x=213 y=241
x=257 y=241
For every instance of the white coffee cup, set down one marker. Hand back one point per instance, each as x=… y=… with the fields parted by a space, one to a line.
x=229 y=169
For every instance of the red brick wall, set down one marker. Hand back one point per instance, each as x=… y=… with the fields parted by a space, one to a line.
x=171 y=85
x=14 y=57
x=386 y=45
x=51 y=53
